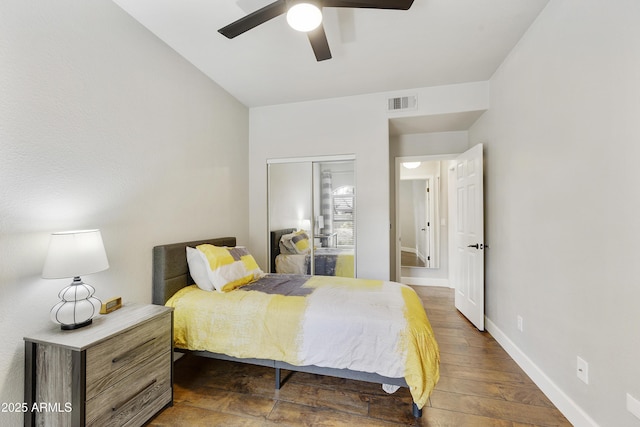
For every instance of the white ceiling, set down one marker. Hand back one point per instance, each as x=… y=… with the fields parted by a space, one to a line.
x=435 y=42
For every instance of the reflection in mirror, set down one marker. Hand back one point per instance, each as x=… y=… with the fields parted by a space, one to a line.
x=316 y=198
x=290 y=195
x=418 y=194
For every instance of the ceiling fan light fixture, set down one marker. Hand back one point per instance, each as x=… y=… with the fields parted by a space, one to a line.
x=304 y=17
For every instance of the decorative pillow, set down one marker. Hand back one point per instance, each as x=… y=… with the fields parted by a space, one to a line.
x=284 y=249
x=199 y=269
x=286 y=246
x=295 y=243
x=230 y=268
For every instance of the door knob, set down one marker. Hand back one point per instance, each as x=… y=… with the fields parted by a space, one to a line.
x=477 y=246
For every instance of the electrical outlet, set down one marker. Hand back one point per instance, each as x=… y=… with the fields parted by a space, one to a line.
x=520 y=323
x=582 y=370
x=633 y=405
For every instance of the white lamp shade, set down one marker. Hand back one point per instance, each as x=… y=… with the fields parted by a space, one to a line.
x=75 y=253
x=304 y=17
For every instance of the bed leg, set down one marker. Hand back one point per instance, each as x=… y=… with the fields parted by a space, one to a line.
x=277 y=378
x=416 y=411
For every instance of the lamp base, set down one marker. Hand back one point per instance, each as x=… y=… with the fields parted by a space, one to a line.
x=76 y=325
x=77 y=306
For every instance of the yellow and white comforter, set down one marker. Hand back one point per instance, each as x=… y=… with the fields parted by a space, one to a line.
x=343 y=323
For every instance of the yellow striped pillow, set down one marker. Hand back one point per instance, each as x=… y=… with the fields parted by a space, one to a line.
x=230 y=268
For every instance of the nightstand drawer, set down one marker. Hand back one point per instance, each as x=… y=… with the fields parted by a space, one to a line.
x=147 y=390
x=122 y=355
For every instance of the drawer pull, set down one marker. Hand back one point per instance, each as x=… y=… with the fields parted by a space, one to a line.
x=125 y=355
x=145 y=388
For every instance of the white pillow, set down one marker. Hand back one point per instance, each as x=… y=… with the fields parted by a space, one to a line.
x=199 y=269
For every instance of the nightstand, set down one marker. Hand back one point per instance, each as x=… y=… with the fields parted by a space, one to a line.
x=117 y=371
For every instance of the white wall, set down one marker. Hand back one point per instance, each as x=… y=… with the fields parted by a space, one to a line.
x=562 y=147
x=355 y=125
x=102 y=125
x=430 y=144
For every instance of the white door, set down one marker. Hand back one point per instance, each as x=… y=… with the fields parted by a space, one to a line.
x=469 y=236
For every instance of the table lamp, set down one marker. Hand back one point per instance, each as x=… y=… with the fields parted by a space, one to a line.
x=72 y=254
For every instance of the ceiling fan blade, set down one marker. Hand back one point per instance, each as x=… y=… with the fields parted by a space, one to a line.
x=319 y=43
x=254 y=19
x=370 y=4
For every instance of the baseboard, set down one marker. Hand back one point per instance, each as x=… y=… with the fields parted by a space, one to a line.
x=574 y=413
x=425 y=281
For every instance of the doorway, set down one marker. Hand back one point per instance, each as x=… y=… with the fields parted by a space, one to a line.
x=421 y=242
x=463 y=225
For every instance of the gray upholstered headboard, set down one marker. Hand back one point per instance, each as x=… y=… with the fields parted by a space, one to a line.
x=170 y=268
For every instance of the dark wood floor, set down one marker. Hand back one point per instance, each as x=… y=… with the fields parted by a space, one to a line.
x=479 y=386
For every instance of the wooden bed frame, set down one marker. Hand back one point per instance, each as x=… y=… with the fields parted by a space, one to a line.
x=171 y=273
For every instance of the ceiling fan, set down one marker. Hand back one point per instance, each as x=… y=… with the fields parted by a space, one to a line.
x=306 y=16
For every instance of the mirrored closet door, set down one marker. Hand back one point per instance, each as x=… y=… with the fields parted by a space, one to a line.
x=312 y=214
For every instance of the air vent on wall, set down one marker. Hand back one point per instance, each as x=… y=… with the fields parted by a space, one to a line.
x=402 y=103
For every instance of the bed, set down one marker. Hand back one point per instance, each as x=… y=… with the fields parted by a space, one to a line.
x=328 y=261
x=174 y=286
